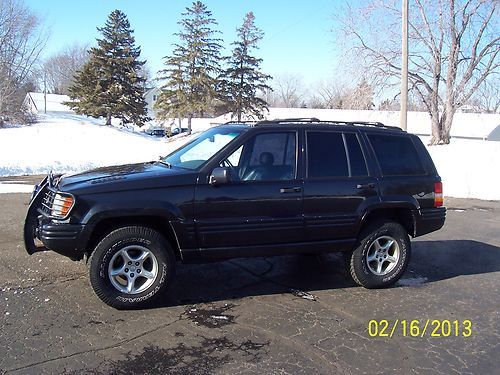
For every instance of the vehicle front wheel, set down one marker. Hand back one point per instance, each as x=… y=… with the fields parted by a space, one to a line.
x=131 y=267
x=382 y=255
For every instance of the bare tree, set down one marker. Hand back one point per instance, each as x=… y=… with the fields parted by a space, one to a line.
x=454 y=47
x=336 y=95
x=329 y=94
x=289 y=91
x=361 y=97
x=21 y=42
x=60 y=68
x=269 y=96
x=487 y=98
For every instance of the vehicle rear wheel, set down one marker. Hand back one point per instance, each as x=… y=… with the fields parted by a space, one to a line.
x=382 y=255
x=131 y=267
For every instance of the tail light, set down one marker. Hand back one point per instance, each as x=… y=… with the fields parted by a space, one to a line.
x=438 y=194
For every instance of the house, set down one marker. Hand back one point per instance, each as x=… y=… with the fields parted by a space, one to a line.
x=38 y=102
x=151 y=97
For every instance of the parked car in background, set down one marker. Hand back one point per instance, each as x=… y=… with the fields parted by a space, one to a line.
x=157 y=132
x=176 y=131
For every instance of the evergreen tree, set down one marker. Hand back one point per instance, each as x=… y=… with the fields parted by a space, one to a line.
x=191 y=72
x=243 y=76
x=110 y=84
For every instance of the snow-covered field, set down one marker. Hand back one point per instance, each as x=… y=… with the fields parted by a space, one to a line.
x=71 y=143
x=68 y=143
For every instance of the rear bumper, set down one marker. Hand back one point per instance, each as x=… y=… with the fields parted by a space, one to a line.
x=430 y=220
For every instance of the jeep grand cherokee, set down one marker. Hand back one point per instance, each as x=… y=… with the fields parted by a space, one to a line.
x=241 y=190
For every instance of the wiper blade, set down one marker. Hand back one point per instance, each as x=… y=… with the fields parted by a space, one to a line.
x=165 y=163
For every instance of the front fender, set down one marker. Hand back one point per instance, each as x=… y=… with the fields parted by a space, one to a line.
x=103 y=211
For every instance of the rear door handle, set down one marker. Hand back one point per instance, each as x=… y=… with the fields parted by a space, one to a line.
x=290 y=190
x=366 y=186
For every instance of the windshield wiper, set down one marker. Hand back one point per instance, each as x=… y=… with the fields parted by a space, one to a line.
x=165 y=163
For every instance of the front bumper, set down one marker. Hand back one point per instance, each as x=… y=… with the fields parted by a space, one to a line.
x=42 y=233
x=63 y=238
x=66 y=239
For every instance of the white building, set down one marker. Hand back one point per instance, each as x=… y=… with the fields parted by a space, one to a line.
x=151 y=97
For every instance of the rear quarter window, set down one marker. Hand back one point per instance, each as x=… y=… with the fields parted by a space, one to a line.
x=356 y=157
x=396 y=155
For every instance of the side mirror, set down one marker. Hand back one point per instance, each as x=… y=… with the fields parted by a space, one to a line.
x=219 y=176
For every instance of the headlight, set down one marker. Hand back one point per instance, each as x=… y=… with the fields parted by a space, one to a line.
x=62 y=205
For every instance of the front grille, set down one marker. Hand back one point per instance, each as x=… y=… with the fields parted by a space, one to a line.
x=47 y=201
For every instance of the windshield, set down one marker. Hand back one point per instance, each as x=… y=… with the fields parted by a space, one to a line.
x=197 y=152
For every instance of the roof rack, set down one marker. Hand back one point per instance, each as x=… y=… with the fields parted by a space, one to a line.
x=235 y=122
x=313 y=120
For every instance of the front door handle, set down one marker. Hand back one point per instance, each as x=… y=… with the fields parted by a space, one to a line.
x=366 y=186
x=290 y=190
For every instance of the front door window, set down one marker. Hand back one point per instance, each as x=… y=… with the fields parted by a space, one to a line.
x=265 y=157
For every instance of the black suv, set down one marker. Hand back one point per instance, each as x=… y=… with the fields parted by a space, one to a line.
x=241 y=190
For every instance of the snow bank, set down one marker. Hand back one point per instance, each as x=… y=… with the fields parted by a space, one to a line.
x=15 y=188
x=468 y=168
x=71 y=143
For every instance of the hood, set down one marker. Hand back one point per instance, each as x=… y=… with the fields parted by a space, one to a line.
x=119 y=176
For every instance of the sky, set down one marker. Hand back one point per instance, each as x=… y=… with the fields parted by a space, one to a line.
x=297 y=41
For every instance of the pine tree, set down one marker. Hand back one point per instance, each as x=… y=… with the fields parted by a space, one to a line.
x=110 y=84
x=243 y=77
x=191 y=72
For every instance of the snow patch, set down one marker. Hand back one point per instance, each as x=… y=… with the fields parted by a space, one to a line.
x=219 y=317
x=15 y=188
x=302 y=294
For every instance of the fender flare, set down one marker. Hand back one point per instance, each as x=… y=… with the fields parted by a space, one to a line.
x=396 y=202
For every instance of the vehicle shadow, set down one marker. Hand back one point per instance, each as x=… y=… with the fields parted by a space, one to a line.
x=303 y=274
x=441 y=260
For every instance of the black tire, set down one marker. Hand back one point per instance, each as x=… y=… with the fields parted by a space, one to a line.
x=363 y=272
x=124 y=241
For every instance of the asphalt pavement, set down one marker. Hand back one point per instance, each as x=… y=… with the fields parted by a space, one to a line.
x=290 y=314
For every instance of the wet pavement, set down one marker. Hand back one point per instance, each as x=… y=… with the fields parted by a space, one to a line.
x=291 y=314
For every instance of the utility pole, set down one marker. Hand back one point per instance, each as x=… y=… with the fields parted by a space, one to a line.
x=404 y=65
x=45 y=92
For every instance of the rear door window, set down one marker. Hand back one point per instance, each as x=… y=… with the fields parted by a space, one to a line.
x=334 y=154
x=326 y=156
x=396 y=155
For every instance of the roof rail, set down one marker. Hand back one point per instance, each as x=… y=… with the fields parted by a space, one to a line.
x=375 y=124
x=314 y=120
x=235 y=122
x=294 y=119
